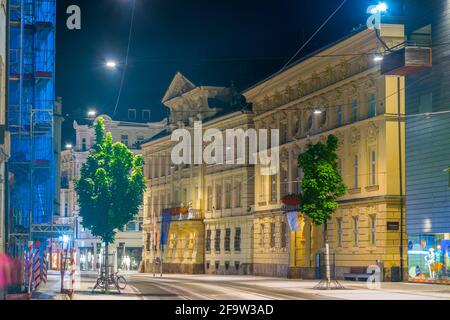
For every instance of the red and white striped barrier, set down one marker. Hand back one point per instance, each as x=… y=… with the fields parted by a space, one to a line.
x=37 y=269
x=73 y=268
x=44 y=268
x=29 y=264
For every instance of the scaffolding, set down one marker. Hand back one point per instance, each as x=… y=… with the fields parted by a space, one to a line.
x=31 y=102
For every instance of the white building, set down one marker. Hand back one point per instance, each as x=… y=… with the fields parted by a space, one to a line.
x=129 y=240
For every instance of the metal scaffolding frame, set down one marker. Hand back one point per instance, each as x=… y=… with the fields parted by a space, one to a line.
x=31 y=102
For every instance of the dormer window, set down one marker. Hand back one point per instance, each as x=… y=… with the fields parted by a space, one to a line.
x=146 y=115
x=131 y=114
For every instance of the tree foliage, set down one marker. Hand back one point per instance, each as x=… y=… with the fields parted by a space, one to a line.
x=110 y=189
x=322 y=184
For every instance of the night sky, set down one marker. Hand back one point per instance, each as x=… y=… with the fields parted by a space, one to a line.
x=210 y=42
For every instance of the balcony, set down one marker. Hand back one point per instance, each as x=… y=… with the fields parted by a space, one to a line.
x=407 y=61
x=63 y=221
x=183 y=214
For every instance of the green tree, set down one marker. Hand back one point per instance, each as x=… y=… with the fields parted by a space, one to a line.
x=322 y=184
x=110 y=188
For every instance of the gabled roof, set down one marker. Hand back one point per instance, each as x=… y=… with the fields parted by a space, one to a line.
x=180 y=85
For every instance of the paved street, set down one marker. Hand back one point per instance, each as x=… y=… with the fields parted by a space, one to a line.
x=207 y=287
x=259 y=288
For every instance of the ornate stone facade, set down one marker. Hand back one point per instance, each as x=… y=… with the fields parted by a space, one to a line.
x=353 y=99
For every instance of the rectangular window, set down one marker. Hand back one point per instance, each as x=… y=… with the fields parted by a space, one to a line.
x=272 y=235
x=273 y=188
x=284 y=235
x=373 y=230
x=263 y=235
x=237 y=240
x=210 y=198
x=355 y=231
x=339 y=231
x=355 y=172
x=284 y=182
x=218 y=197
x=262 y=194
x=217 y=241
x=208 y=241
x=131 y=114
x=139 y=140
x=373 y=167
x=237 y=195
x=227 y=239
x=372 y=106
x=354 y=110
x=227 y=195
x=146 y=115
x=339 y=116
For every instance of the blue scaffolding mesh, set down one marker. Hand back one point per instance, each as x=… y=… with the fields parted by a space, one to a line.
x=30 y=112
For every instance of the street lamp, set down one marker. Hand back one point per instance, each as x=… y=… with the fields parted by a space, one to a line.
x=318 y=111
x=382 y=7
x=111 y=64
x=92 y=113
x=378 y=58
x=69 y=146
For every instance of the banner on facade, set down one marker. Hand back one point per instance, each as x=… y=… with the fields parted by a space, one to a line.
x=165 y=226
x=292 y=218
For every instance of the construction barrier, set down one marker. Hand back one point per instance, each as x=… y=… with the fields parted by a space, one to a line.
x=37 y=268
x=72 y=269
x=44 y=268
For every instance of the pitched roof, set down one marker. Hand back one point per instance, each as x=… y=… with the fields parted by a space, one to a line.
x=180 y=85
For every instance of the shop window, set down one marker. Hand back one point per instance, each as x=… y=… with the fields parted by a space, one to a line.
x=429 y=258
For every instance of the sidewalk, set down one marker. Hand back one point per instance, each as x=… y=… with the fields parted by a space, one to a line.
x=83 y=289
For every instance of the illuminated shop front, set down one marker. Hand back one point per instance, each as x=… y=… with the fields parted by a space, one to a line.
x=429 y=258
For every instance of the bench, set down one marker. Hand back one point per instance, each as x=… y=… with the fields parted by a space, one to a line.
x=357 y=274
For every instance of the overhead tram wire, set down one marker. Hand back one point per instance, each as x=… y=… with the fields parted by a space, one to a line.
x=287 y=64
x=122 y=81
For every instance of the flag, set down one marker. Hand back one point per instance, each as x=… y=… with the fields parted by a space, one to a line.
x=165 y=226
x=292 y=218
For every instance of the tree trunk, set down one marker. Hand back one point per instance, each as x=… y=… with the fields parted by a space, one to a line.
x=106 y=266
x=327 y=257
